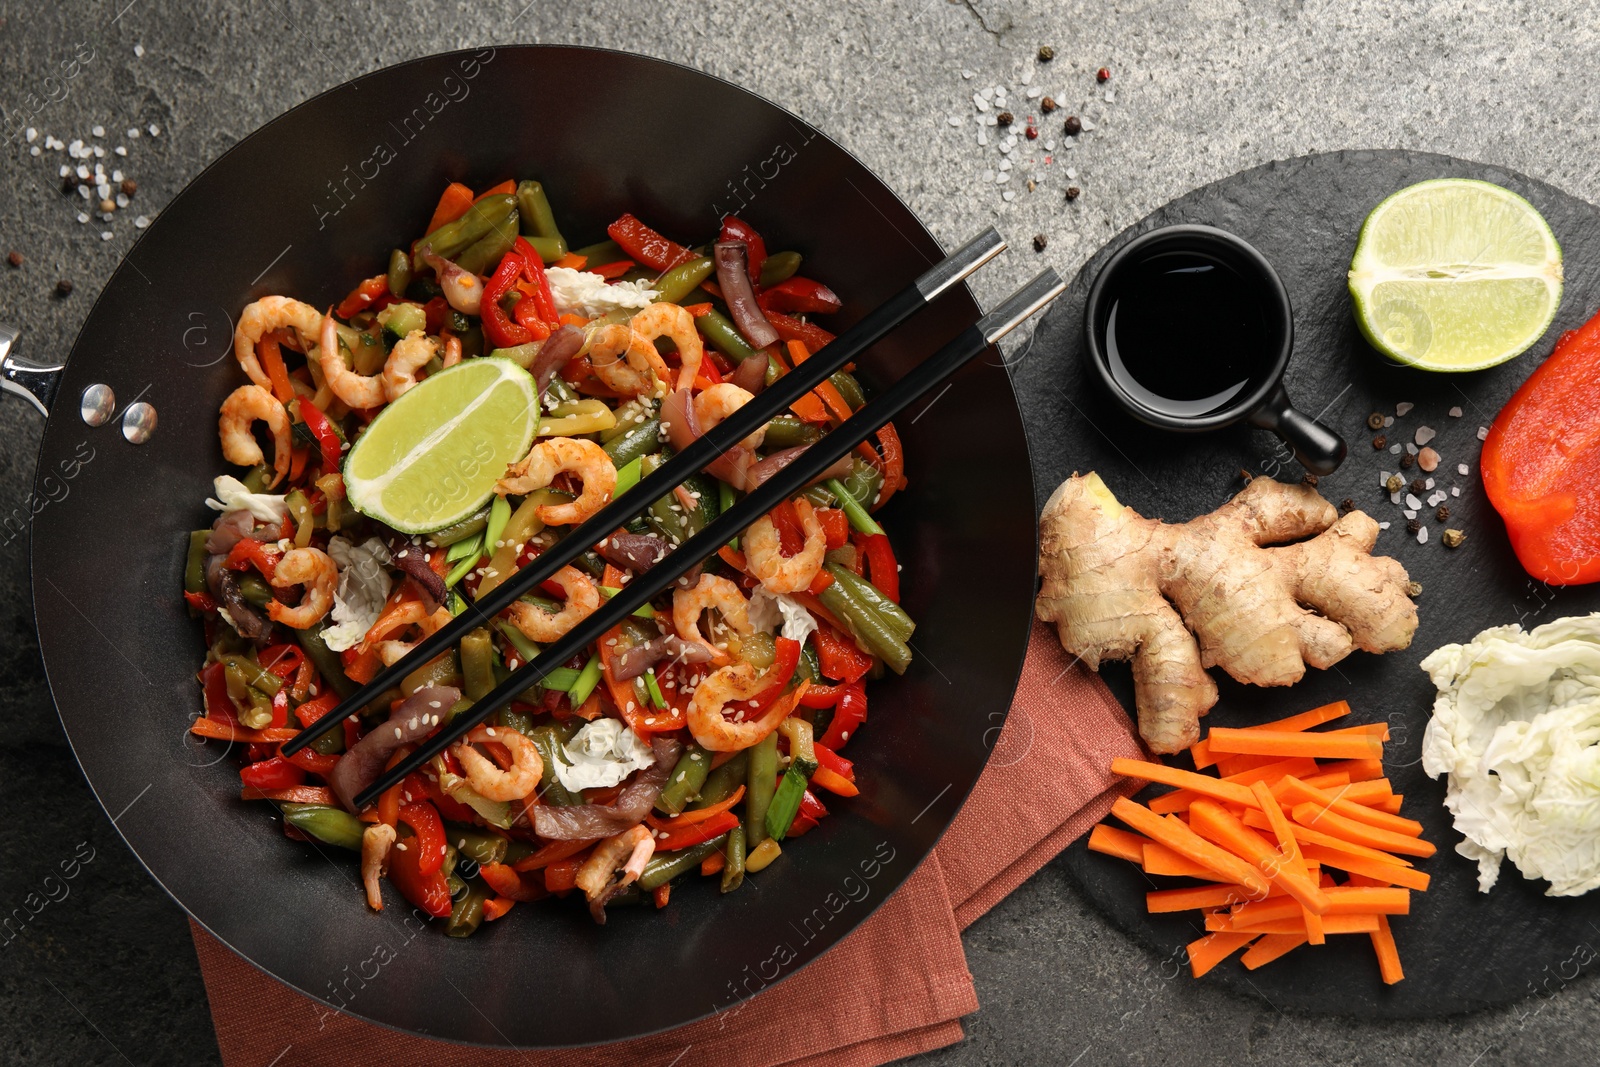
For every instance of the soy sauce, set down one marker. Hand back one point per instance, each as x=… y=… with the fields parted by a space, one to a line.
x=1187 y=334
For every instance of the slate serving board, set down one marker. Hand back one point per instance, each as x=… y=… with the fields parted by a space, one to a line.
x=1462 y=950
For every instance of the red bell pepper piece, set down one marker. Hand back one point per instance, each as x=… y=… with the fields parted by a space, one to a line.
x=828 y=758
x=508 y=883
x=280 y=708
x=272 y=773
x=309 y=759
x=200 y=601
x=835 y=526
x=646 y=246
x=800 y=295
x=316 y=708
x=436 y=313
x=1541 y=463
x=696 y=833
x=839 y=655
x=501 y=331
x=822 y=696
x=250 y=552
x=848 y=714
x=369 y=294
x=810 y=813
x=526 y=314
x=533 y=270
x=428 y=836
x=790 y=329
x=791 y=539
x=219 y=706
x=882 y=568
x=562 y=875
x=327 y=440
x=430 y=892
x=736 y=229
x=784 y=663
x=281 y=660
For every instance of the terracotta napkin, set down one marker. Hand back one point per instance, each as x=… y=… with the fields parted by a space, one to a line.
x=1045 y=785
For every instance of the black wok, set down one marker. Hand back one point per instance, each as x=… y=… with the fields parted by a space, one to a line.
x=309 y=205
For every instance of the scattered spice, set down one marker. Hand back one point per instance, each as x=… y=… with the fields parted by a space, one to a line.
x=1039 y=241
x=1413 y=589
x=1452 y=538
x=129 y=187
x=1048 y=104
x=1428 y=460
x=1102 y=75
x=1407 y=460
x=63 y=287
x=1418 y=485
x=1005 y=118
x=1046 y=53
x=1443 y=513
x=1073 y=192
x=108 y=206
x=14 y=258
x=1379 y=443
x=1347 y=504
x=1395 y=483
x=1074 y=126
x=1375 y=421
x=1413 y=526
x=69 y=182
x=1031 y=133
x=1309 y=479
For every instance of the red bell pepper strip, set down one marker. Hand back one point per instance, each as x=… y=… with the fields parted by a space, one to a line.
x=790 y=329
x=848 y=714
x=327 y=440
x=280 y=708
x=273 y=773
x=508 y=883
x=533 y=270
x=828 y=759
x=369 y=294
x=811 y=811
x=646 y=246
x=501 y=331
x=1541 y=463
x=791 y=539
x=430 y=892
x=643 y=717
x=281 y=660
x=839 y=655
x=822 y=696
x=800 y=295
x=219 y=706
x=883 y=570
x=784 y=663
x=309 y=759
x=250 y=552
x=200 y=601
x=562 y=875
x=526 y=314
x=696 y=833
x=428 y=838
x=736 y=229
x=835 y=526
x=316 y=708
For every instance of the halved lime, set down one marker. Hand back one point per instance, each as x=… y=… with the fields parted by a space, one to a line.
x=1455 y=275
x=432 y=457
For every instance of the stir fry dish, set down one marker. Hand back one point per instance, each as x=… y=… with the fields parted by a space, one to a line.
x=410 y=448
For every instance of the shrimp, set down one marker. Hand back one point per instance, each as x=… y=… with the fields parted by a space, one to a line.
x=452 y=350
x=519 y=780
x=539 y=625
x=261 y=318
x=244 y=406
x=547 y=459
x=626 y=362
x=376 y=840
x=311 y=568
x=780 y=573
x=669 y=320
x=737 y=681
x=721 y=400
x=391 y=652
x=711 y=592
x=409 y=355
x=357 y=390
x=615 y=863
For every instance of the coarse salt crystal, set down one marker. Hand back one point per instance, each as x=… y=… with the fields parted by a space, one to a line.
x=1008 y=196
x=1412 y=501
x=1394 y=450
x=98 y=131
x=1455 y=413
x=968 y=74
x=138 y=50
x=133 y=131
x=1003 y=177
x=1461 y=468
x=141 y=222
x=1087 y=124
x=1383 y=526
x=120 y=150
x=1005 y=164
x=1483 y=433
x=1428 y=484
x=155 y=131
x=983 y=138
x=1455 y=490
x=83 y=216
x=1394 y=497
x=1412 y=449
x=31 y=134
x=116 y=175
x=1388 y=421
x=1410 y=513
x=1422 y=536
x=1072 y=172
x=33 y=151
x=1424 y=434
x=1035 y=93
x=105 y=235
x=979 y=102
x=65 y=170
x=83 y=171
x=1403 y=408
x=1027 y=76
x=955 y=120
x=1383 y=478
x=1111 y=96
x=83 y=191
x=1049 y=146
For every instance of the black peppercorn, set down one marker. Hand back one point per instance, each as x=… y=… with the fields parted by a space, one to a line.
x=1443 y=513
x=1379 y=443
x=1074 y=126
x=1046 y=53
x=1309 y=479
x=129 y=186
x=14 y=258
x=1073 y=192
x=1039 y=241
x=69 y=182
x=1418 y=485
x=63 y=287
x=1048 y=104
x=1407 y=460
x=1413 y=526
x=1005 y=118
x=1347 y=504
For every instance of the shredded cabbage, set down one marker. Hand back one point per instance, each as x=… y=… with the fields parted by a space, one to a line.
x=603 y=753
x=770 y=610
x=233 y=496
x=1516 y=726
x=363 y=587
x=588 y=294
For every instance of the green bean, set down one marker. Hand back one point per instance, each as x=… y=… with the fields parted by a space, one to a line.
x=329 y=744
x=550 y=249
x=870 y=630
x=510 y=717
x=399 y=273
x=256 y=675
x=786 y=801
x=848 y=388
x=460 y=531
x=716 y=328
x=733 y=853
x=779 y=267
x=559 y=391
x=526 y=649
x=254 y=590
x=786 y=431
x=722 y=782
x=331 y=826
x=550 y=739
x=256 y=478
x=518 y=850
x=667 y=866
x=635 y=412
x=499 y=514
x=588 y=678
x=859 y=518
x=453 y=238
x=485 y=254
x=467 y=914
x=522 y=525
x=194 y=565
x=601 y=253
x=682 y=280
x=892 y=613
x=810 y=669
x=477 y=663
x=864 y=482
x=305 y=522
x=479 y=846
x=684 y=783
x=760 y=783
x=537 y=219
x=441 y=670
x=628 y=476
x=642 y=440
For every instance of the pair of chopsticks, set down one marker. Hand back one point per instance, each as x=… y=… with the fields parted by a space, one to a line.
x=807 y=466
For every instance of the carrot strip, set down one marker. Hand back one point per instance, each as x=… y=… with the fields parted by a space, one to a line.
x=1333 y=924
x=713 y=863
x=810 y=408
x=1119 y=843
x=1290 y=849
x=1359 y=770
x=834 y=400
x=613 y=270
x=294 y=794
x=1189 y=898
x=1308 y=836
x=1199 y=783
x=1201 y=750
x=572 y=261
x=1283 y=743
x=496 y=908
x=1331 y=780
x=1159 y=859
x=1390 y=804
x=1368 y=792
x=1167 y=830
x=1360 y=833
x=453 y=203
x=551 y=853
x=221 y=731
x=505 y=187
x=1388 y=952
x=1180 y=799
x=1269 y=947
x=1212 y=949
x=1228 y=766
x=1299 y=793
x=1210 y=821
x=1342 y=900
x=271 y=358
x=689 y=818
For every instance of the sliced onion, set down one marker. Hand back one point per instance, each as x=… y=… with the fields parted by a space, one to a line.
x=224 y=586
x=640 y=658
x=636 y=552
x=411 y=557
x=230 y=528
x=417 y=717
x=557 y=350
x=751 y=375
x=733 y=276
x=683 y=429
x=779 y=460
x=584 y=822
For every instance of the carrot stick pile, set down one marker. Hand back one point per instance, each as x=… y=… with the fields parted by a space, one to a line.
x=1285 y=807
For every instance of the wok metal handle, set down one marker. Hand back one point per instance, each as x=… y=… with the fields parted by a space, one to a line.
x=34 y=382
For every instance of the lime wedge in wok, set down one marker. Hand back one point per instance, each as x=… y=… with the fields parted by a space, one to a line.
x=432 y=457
x=1455 y=275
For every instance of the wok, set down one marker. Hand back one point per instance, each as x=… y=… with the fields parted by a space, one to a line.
x=309 y=205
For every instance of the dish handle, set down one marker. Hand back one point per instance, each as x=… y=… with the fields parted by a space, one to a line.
x=34 y=382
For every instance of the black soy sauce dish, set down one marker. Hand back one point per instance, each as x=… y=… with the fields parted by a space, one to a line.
x=1190 y=329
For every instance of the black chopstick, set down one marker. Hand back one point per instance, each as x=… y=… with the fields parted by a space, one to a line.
x=770 y=402
x=807 y=466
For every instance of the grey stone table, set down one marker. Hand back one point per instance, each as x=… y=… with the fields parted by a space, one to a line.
x=102 y=969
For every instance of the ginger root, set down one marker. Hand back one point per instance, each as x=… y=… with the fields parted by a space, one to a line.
x=1119 y=586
